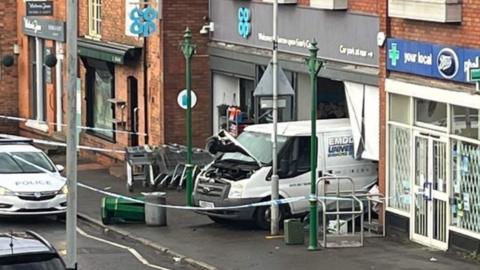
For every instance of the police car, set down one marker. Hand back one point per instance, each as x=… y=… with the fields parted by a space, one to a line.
x=30 y=184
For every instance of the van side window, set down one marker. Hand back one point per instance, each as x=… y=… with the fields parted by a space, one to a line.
x=296 y=159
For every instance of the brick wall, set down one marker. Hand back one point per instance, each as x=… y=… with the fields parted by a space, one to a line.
x=366 y=6
x=177 y=16
x=8 y=75
x=462 y=34
x=24 y=95
x=384 y=27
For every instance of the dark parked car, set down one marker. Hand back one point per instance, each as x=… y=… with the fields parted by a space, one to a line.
x=28 y=251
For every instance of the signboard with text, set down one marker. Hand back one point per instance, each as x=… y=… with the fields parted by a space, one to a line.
x=344 y=37
x=431 y=60
x=44 y=28
x=39 y=8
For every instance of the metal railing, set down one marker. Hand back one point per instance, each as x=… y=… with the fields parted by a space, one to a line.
x=340 y=195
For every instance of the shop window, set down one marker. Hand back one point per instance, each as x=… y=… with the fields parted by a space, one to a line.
x=399 y=169
x=37 y=83
x=431 y=113
x=100 y=93
x=465 y=122
x=94 y=18
x=331 y=100
x=247 y=101
x=399 y=109
x=465 y=208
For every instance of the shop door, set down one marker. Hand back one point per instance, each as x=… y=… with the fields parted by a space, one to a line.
x=430 y=199
x=133 y=109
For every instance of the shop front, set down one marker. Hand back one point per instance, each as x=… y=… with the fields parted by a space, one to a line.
x=240 y=55
x=44 y=39
x=110 y=78
x=433 y=146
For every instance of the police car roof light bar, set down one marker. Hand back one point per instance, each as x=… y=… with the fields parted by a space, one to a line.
x=5 y=141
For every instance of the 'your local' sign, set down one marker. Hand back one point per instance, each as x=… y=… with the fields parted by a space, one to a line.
x=431 y=60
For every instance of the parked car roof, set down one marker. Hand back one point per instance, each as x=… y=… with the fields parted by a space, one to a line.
x=20 y=243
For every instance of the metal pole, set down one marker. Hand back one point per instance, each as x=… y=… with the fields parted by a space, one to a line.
x=188 y=50
x=314 y=66
x=72 y=134
x=274 y=207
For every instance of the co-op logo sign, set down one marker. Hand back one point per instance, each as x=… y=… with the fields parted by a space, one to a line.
x=244 y=17
x=447 y=63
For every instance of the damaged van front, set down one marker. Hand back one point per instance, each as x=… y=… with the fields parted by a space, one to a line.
x=232 y=178
x=241 y=173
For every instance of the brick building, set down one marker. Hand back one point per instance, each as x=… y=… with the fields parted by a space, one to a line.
x=8 y=74
x=430 y=144
x=128 y=85
x=40 y=87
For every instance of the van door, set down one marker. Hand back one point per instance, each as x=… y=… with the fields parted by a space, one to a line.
x=294 y=172
x=339 y=161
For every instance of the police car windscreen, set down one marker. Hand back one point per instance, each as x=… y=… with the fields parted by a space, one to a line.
x=23 y=162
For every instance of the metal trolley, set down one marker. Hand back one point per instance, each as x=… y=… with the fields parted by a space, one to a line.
x=139 y=163
x=171 y=164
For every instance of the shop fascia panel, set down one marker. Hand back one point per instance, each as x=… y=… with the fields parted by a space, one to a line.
x=332 y=69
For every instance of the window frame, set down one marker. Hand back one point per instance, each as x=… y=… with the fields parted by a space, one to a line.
x=90 y=100
x=95 y=18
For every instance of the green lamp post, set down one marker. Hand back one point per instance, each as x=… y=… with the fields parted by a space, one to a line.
x=314 y=66
x=188 y=49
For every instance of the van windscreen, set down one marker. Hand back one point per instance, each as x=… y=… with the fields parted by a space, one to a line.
x=258 y=144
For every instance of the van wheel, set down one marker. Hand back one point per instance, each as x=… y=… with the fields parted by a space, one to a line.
x=263 y=217
x=219 y=220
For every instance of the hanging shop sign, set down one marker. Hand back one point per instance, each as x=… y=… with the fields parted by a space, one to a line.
x=249 y=23
x=431 y=60
x=143 y=21
x=44 y=28
x=39 y=8
x=244 y=25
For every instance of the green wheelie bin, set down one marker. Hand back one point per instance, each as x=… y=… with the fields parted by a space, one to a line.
x=119 y=210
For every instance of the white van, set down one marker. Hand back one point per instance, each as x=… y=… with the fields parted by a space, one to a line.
x=241 y=174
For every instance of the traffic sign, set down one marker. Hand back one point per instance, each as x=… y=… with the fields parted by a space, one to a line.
x=182 y=99
x=474 y=74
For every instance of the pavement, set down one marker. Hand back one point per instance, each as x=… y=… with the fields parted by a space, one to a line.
x=208 y=245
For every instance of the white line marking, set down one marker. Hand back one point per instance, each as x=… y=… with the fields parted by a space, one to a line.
x=135 y=253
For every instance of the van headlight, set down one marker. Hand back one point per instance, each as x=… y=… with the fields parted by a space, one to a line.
x=236 y=190
x=6 y=192
x=63 y=190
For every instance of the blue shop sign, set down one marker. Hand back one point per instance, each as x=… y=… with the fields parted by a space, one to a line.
x=431 y=60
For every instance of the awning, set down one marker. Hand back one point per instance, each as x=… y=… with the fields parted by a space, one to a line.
x=108 y=51
x=364 y=110
x=265 y=86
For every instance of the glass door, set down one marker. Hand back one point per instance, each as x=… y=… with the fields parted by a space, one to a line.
x=430 y=197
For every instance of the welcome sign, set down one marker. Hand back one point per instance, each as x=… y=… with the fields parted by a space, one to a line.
x=431 y=60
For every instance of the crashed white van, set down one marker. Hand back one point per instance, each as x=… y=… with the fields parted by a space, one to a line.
x=241 y=174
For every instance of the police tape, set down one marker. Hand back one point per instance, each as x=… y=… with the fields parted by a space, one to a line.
x=53 y=143
x=195 y=208
x=20 y=119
